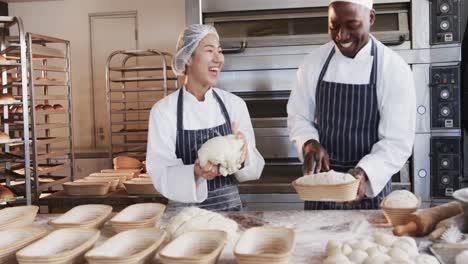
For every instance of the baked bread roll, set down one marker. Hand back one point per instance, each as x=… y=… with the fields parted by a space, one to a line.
x=39 y=107
x=47 y=107
x=58 y=107
x=5 y=193
x=4 y=137
x=6 y=97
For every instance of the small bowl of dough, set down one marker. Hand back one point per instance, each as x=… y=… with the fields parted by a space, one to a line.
x=327 y=186
x=398 y=205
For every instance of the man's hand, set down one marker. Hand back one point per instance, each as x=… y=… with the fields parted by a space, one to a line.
x=360 y=175
x=315 y=157
x=240 y=135
x=208 y=172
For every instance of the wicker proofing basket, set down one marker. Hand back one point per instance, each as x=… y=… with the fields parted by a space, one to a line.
x=134 y=172
x=141 y=215
x=122 y=176
x=15 y=239
x=129 y=247
x=85 y=216
x=115 y=181
x=86 y=188
x=138 y=186
x=62 y=246
x=265 y=245
x=19 y=216
x=398 y=216
x=196 y=247
x=322 y=193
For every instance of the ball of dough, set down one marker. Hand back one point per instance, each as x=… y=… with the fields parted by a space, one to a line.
x=333 y=247
x=363 y=245
x=408 y=248
x=383 y=239
x=462 y=258
x=399 y=261
x=358 y=256
x=346 y=249
x=425 y=259
x=409 y=240
x=401 y=199
x=377 y=259
x=326 y=178
x=398 y=254
x=337 y=259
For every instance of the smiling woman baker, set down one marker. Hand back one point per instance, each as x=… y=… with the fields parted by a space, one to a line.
x=353 y=107
x=181 y=122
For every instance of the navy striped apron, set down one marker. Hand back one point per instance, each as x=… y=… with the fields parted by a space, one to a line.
x=347 y=118
x=223 y=194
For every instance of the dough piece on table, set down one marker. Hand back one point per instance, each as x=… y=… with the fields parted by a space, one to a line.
x=399 y=261
x=363 y=245
x=326 y=178
x=383 y=239
x=347 y=249
x=425 y=259
x=399 y=254
x=358 y=256
x=337 y=259
x=377 y=259
x=401 y=199
x=333 y=247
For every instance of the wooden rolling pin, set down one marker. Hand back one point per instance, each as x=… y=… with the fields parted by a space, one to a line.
x=457 y=221
x=424 y=221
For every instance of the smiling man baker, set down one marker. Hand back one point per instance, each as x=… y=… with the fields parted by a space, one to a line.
x=353 y=107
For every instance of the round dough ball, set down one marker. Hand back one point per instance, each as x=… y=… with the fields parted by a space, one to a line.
x=399 y=261
x=377 y=259
x=346 y=249
x=333 y=247
x=462 y=258
x=363 y=245
x=408 y=248
x=408 y=240
x=376 y=250
x=383 y=239
x=337 y=259
x=358 y=256
x=425 y=259
x=398 y=254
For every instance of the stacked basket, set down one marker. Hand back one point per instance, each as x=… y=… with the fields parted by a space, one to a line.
x=17 y=216
x=135 y=216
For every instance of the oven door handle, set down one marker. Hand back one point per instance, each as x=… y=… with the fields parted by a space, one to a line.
x=236 y=50
x=401 y=40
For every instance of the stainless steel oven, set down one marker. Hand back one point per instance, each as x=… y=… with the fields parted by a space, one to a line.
x=266 y=40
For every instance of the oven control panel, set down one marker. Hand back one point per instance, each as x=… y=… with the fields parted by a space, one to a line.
x=445 y=97
x=445 y=21
x=445 y=166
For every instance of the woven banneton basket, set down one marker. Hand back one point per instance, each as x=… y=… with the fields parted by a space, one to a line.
x=86 y=188
x=129 y=247
x=265 y=245
x=398 y=216
x=335 y=193
x=138 y=186
x=61 y=246
x=141 y=215
x=113 y=181
x=196 y=247
x=134 y=173
x=122 y=176
x=84 y=216
x=15 y=239
x=19 y=216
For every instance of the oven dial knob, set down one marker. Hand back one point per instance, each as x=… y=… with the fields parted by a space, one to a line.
x=444 y=25
x=422 y=173
x=444 y=94
x=445 y=163
x=445 y=179
x=445 y=111
x=444 y=8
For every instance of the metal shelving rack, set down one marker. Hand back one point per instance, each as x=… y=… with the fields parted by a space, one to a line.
x=49 y=80
x=16 y=151
x=131 y=91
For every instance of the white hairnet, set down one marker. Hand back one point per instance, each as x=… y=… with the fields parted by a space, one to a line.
x=187 y=43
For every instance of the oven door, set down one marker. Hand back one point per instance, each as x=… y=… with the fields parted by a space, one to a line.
x=305 y=26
